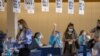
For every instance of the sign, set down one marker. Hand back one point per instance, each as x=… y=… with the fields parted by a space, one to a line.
x=2 y=8
x=45 y=5
x=70 y=6
x=16 y=6
x=58 y=6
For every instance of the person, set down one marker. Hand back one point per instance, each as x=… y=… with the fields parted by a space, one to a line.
x=96 y=48
x=69 y=39
x=96 y=30
x=2 y=38
x=83 y=38
x=36 y=41
x=55 y=40
x=24 y=38
x=8 y=46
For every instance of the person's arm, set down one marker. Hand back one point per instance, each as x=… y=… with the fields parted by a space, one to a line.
x=29 y=36
x=92 y=32
x=54 y=29
x=18 y=35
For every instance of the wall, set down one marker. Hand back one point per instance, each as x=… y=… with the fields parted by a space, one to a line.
x=43 y=22
x=3 y=20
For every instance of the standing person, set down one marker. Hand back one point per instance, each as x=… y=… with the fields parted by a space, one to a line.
x=96 y=48
x=55 y=40
x=96 y=30
x=24 y=38
x=69 y=41
x=83 y=38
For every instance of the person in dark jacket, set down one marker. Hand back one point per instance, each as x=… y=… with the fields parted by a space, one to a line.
x=69 y=41
x=2 y=37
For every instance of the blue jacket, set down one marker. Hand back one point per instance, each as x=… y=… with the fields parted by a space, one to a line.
x=54 y=41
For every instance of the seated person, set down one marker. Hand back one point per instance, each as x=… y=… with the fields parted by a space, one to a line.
x=36 y=41
x=55 y=40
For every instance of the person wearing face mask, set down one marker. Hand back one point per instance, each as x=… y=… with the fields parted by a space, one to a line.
x=38 y=38
x=36 y=41
x=24 y=38
x=82 y=38
x=69 y=40
x=55 y=40
x=96 y=30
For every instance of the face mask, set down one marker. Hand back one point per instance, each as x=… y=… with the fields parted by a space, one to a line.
x=84 y=33
x=70 y=30
x=20 y=26
x=40 y=37
x=57 y=35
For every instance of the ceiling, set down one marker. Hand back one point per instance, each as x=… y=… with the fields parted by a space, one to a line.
x=67 y=0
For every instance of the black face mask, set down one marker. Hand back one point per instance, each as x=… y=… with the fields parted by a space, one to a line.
x=98 y=27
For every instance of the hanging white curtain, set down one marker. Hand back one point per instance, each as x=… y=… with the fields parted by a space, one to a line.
x=16 y=6
x=70 y=6
x=2 y=3
x=45 y=5
x=81 y=7
x=58 y=6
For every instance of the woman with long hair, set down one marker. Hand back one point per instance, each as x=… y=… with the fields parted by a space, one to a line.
x=24 y=38
x=69 y=41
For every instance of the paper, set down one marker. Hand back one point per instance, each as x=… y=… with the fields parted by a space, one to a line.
x=58 y=6
x=70 y=42
x=70 y=6
x=2 y=8
x=45 y=5
x=16 y=6
x=25 y=4
x=29 y=6
x=31 y=11
x=81 y=7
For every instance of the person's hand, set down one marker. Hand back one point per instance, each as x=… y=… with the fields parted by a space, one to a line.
x=74 y=39
x=55 y=25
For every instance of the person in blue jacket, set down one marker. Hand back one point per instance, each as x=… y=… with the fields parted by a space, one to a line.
x=55 y=40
